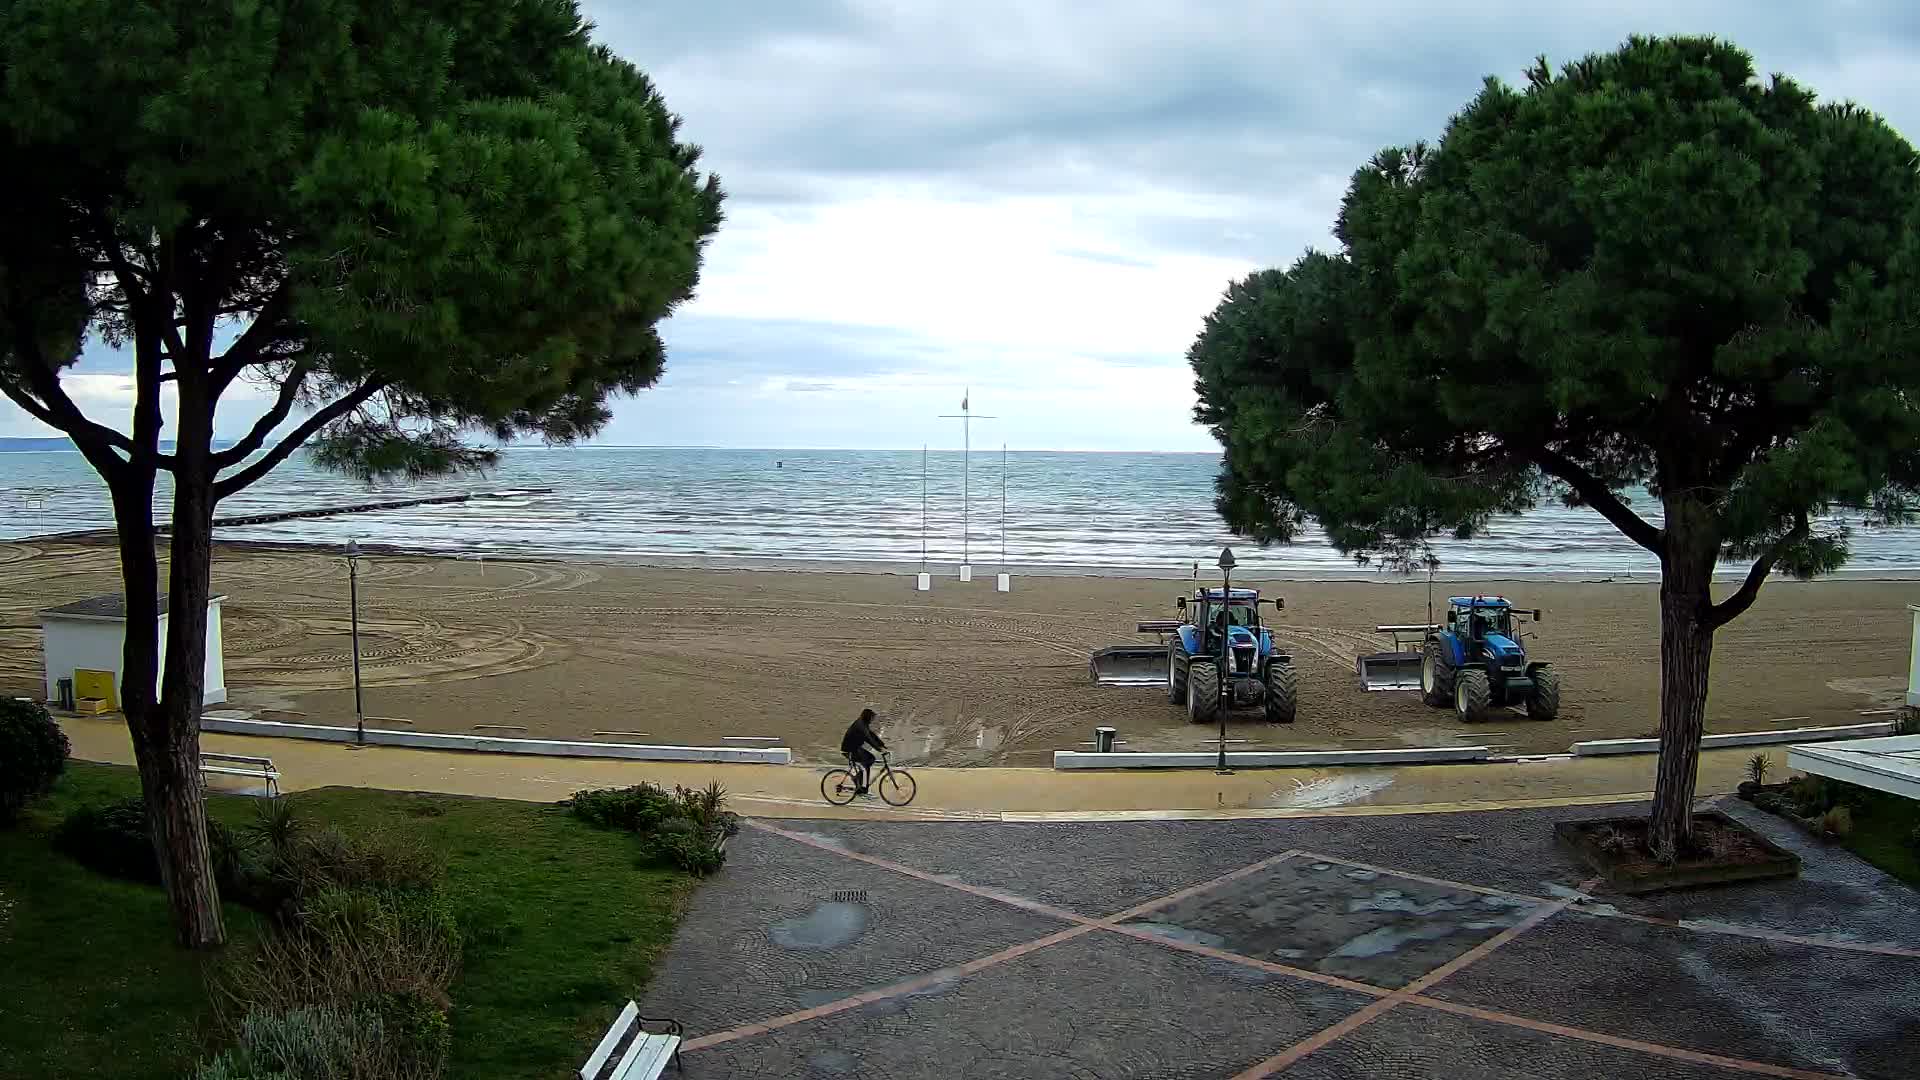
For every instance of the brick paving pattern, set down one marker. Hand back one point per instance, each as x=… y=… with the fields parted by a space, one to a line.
x=1445 y=945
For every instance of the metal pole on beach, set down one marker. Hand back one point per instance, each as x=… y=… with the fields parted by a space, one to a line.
x=1003 y=508
x=353 y=623
x=966 y=418
x=1227 y=564
x=923 y=506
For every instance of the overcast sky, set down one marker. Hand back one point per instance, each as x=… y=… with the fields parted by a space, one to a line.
x=1041 y=200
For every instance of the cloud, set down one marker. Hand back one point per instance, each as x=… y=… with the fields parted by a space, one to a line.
x=1041 y=200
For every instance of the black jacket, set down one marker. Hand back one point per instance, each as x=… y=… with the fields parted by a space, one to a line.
x=858 y=734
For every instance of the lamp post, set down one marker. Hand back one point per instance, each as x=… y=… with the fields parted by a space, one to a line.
x=1225 y=660
x=353 y=623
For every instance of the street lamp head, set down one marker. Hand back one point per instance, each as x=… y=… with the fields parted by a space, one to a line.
x=353 y=549
x=1226 y=559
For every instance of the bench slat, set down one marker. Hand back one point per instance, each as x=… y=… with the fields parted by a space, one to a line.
x=231 y=771
x=627 y=1018
x=647 y=1058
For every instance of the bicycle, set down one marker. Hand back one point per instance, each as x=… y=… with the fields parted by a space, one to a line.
x=896 y=786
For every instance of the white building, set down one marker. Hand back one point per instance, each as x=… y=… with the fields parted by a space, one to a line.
x=90 y=635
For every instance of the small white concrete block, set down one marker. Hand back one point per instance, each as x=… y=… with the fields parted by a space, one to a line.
x=966 y=572
x=1004 y=583
x=923 y=582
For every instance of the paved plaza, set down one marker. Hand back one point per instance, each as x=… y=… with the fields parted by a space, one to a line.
x=1448 y=945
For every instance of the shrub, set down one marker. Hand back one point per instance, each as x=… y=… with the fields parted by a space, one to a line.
x=1758 y=766
x=1907 y=721
x=1770 y=801
x=33 y=753
x=1837 y=821
x=1913 y=840
x=1811 y=796
x=357 y=1042
x=316 y=859
x=640 y=808
x=688 y=850
x=345 y=946
x=707 y=807
x=111 y=839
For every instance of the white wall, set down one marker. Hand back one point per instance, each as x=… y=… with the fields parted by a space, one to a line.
x=81 y=643
x=96 y=644
x=1913 y=661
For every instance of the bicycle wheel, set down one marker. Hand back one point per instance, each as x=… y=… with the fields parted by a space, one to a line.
x=837 y=787
x=897 y=787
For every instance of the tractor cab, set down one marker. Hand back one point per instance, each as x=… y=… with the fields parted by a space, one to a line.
x=1486 y=622
x=1219 y=616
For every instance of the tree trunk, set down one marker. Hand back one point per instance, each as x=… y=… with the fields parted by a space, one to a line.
x=176 y=790
x=1686 y=652
x=166 y=749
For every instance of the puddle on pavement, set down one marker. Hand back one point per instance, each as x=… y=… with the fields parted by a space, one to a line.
x=1337 y=790
x=1180 y=934
x=828 y=926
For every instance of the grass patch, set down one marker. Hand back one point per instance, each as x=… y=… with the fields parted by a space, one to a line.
x=560 y=928
x=1884 y=831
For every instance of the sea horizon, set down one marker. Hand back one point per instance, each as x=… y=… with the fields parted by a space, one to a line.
x=1111 y=513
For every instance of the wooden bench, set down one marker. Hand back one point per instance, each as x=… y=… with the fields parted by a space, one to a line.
x=257 y=768
x=630 y=1052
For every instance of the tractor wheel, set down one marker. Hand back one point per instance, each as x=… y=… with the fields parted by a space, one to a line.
x=1470 y=693
x=1436 y=676
x=1176 y=674
x=1543 y=701
x=1283 y=688
x=1203 y=691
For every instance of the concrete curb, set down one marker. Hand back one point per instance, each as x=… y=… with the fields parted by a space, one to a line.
x=1602 y=747
x=1269 y=759
x=772 y=755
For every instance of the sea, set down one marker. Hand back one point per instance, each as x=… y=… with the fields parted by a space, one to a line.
x=1121 y=514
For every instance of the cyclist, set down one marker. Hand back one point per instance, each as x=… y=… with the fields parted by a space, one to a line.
x=854 y=744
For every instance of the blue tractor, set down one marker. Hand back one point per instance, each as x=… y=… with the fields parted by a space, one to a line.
x=1215 y=656
x=1474 y=662
x=1221 y=656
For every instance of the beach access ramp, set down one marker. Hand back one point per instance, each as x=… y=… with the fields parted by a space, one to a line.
x=1398 y=668
x=1135 y=665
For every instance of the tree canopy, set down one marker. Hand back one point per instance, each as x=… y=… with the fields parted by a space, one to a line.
x=408 y=218
x=412 y=221
x=1649 y=270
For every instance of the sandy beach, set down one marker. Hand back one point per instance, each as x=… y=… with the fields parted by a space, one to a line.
x=963 y=675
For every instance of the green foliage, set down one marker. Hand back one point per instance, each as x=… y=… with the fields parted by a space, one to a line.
x=111 y=839
x=1907 y=721
x=1758 y=766
x=445 y=215
x=33 y=752
x=362 y=1042
x=1651 y=269
x=560 y=928
x=640 y=808
x=684 y=829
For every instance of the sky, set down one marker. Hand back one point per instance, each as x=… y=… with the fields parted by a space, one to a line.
x=1037 y=202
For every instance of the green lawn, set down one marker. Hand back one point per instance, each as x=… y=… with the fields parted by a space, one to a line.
x=569 y=927
x=1882 y=834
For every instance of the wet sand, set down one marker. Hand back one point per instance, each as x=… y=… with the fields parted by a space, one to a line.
x=962 y=675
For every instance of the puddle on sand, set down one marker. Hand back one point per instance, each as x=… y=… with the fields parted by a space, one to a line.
x=827 y=926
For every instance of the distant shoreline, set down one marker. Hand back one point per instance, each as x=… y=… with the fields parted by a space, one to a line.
x=983 y=570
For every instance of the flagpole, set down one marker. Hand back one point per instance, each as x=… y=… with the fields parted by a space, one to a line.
x=966 y=418
x=1003 y=508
